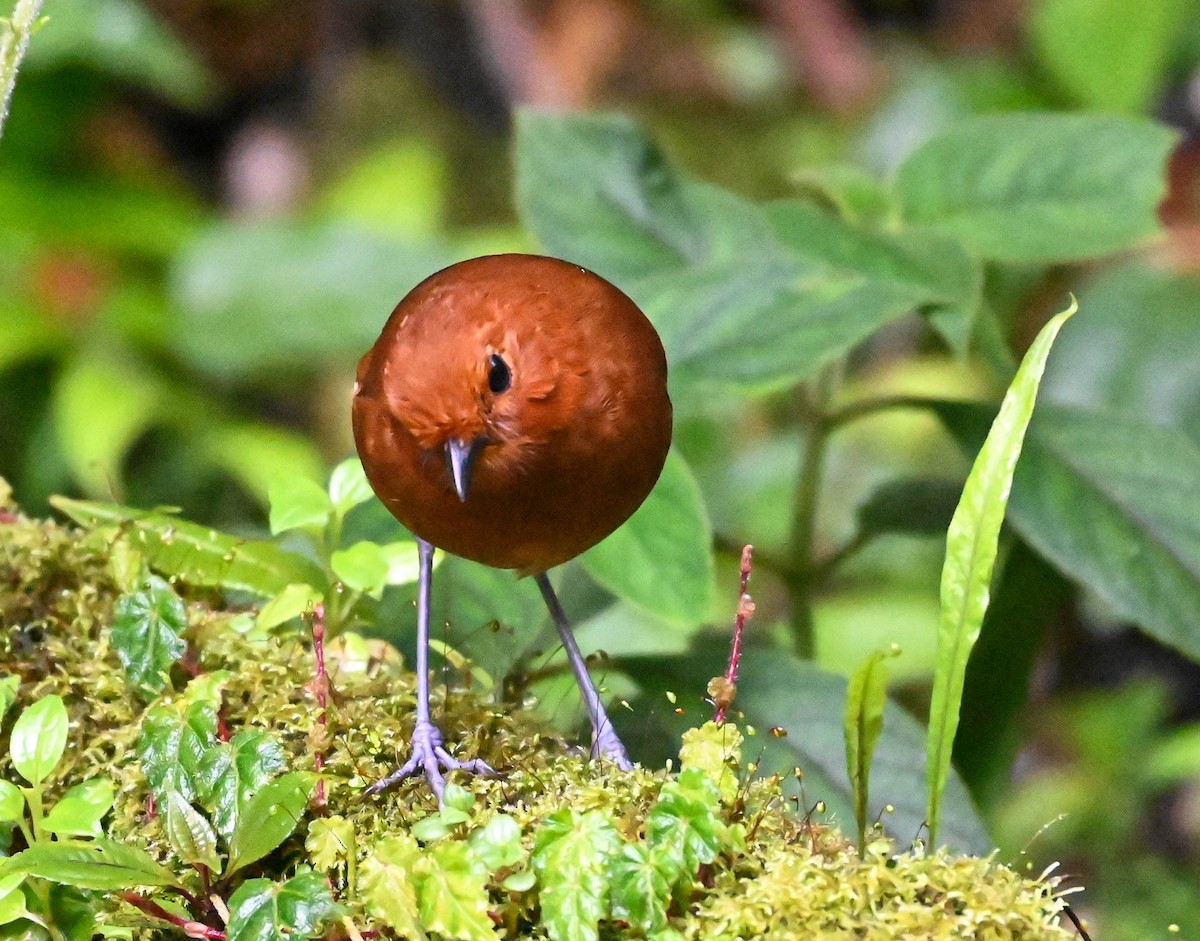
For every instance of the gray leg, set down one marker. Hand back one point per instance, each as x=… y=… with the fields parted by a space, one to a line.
x=428 y=755
x=605 y=743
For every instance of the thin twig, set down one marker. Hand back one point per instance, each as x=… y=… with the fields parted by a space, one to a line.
x=14 y=41
x=724 y=689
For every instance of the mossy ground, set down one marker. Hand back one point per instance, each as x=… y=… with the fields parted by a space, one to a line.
x=782 y=878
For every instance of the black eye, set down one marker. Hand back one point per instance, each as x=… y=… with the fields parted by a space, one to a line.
x=499 y=375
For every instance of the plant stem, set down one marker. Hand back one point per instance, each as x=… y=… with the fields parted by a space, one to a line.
x=14 y=41
x=804 y=513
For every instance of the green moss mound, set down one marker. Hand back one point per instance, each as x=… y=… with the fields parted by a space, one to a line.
x=556 y=847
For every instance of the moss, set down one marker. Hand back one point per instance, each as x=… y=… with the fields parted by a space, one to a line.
x=777 y=875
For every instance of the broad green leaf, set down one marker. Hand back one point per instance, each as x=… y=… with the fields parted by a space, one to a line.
x=39 y=738
x=641 y=889
x=230 y=772
x=397 y=189
x=12 y=899
x=101 y=864
x=197 y=554
x=262 y=910
x=1107 y=54
x=684 y=827
x=12 y=803
x=331 y=841
x=348 y=485
x=661 y=559
x=298 y=503
x=452 y=887
x=778 y=690
x=191 y=836
x=596 y=189
x=292 y=602
x=123 y=39
x=269 y=817
x=100 y=408
x=147 y=633
x=1039 y=187
x=497 y=844
x=1110 y=501
x=919 y=506
x=403 y=562
x=235 y=283
x=865 y=700
x=173 y=741
x=858 y=196
x=362 y=567
x=73 y=911
x=971 y=555
x=1118 y=359
x=572 y=853
x=388 y=884
x=80 y=810
x=253 y=452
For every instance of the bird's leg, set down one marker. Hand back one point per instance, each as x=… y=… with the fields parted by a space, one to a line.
x=605 y=742
x=428 y=755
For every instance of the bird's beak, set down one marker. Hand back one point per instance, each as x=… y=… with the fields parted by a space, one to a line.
x=460 y=455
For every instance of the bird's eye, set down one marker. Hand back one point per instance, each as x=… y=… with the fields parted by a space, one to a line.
x=499 y=375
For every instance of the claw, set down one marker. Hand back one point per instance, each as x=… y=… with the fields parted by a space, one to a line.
x=429 y=756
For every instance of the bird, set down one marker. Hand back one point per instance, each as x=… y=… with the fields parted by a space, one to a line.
x=514 y=411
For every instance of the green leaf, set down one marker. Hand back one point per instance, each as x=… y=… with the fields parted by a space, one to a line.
x=331 y=840
x=865 y=699
x=73 y=911
x=9 y=684
x=1039 y=187
x=388 y=884
x=597 y=190
x=684 y=827
x=453 y=893
x=362 y=567
x=147 y=633
x=12 y=803
x=12 y=899
x=298 y=503
x=971 y=555
x=1107 y=54
x=253 y=452
x=39 y=738
x=269 y=817
x=230 y=772
x=101 y=864
x=348 y=486
x=80 y=810
x=497 y=844
x=641 y=887
x=716 y=751
x=777 y=689
x=262 y=910
x=121 y=38
x=1110 y=501
x=191 y=836
x=292 y=602
x=918 y=506
x=571 y=856
x=403 y=562
x=399 y=188
x=172 y=743
x=661 y=559
x=100 y=409
x=198 y=555
x=236 y=282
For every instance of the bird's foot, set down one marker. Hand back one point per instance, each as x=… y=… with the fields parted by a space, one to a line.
x=606 y=746
x=430 y=757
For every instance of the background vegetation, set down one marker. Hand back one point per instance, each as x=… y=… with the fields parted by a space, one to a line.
x=208 y=208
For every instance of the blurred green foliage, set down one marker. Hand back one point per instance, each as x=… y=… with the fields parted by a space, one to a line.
x=824 y=288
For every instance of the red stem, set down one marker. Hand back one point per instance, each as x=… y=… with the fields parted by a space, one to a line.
x=193 y=929
x=321 y=689
x=745 y=611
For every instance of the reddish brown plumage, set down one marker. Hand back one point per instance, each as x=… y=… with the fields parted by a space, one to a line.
x=574 y=446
